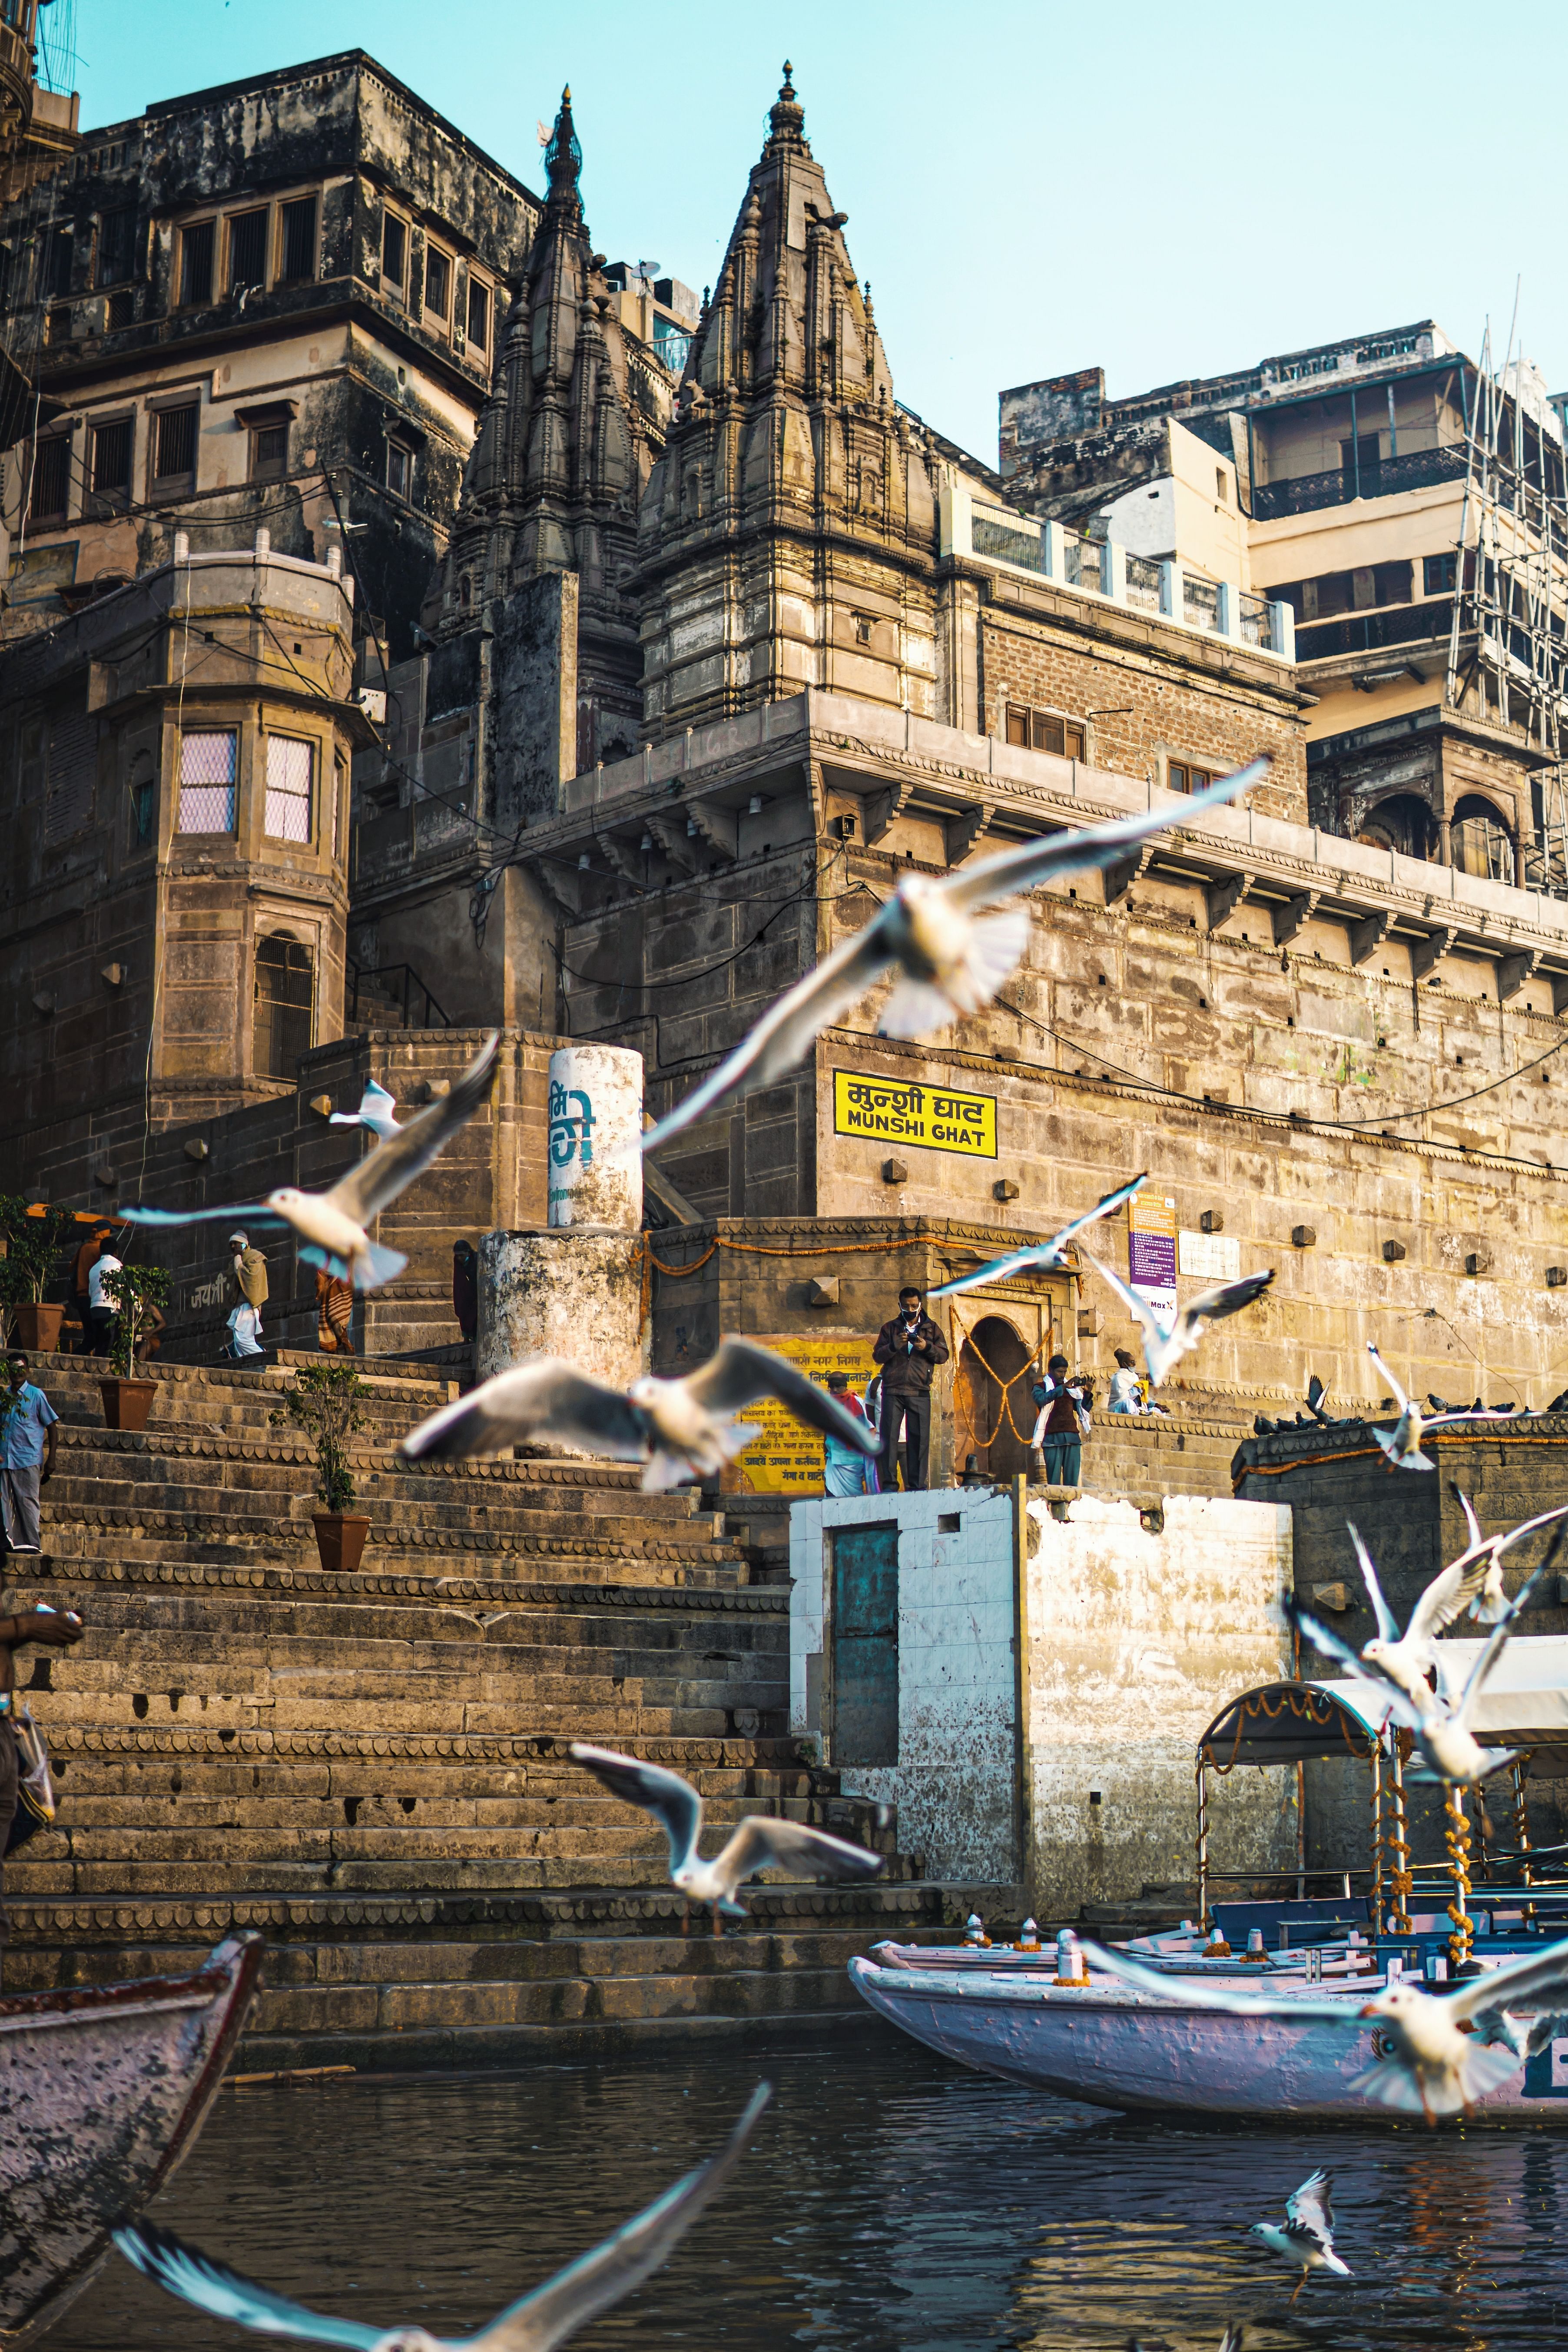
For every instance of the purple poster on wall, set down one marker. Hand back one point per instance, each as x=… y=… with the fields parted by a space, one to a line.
x=1151 y=1251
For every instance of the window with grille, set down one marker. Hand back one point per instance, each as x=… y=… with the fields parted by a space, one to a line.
x=298 y=258
x=437 y=281
x=247 y=250
x=117 y=248
x=51 y=480
x=196 y=244
x=208 y=765
x=111 y=462
x=143 y=813
x=1437 y=574
x=55 y=278
x=174 y=444
x=268 y=453
x=1044 y=730
x=478 y=315
x=394 y=250
x=121 y=309
x=289 y=776
x=399 y=468
x=283 y=1003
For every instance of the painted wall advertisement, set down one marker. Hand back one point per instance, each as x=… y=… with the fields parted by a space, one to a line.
x=1151 y=1250
x=787 y=1458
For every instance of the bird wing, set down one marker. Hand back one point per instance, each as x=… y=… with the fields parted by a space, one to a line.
x=1400 y=1398
x=1311 y=2209
x=1447 y=1597
x=1044 y=1253
x=1013 y=870
x=1497 y=1642
x=740 y=1371
x=1528 y=1528
x=764 y=1842
x=392 y=1167
x=213 y=2288
x=1472 y=1524
x=548 y=1396
x=1400 y=1710
x=784 y=1035
x=600 y=2278
x=1155 y=1331
x=1515 y=1981
x=1194 y=1992
x=1387 y=1631
x=670 y=1799
x=137 y=1215
x=1225 y=1298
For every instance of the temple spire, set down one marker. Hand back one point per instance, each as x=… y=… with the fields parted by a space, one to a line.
x=786 y=118
x=564 y=157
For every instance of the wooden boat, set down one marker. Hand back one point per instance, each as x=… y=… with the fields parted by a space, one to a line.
x=1112 y=2047
x=102 y=2090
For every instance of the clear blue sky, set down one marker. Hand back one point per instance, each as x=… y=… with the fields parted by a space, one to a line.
x=1165 y=191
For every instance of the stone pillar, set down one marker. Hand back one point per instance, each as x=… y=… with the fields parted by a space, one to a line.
x=595 y=1137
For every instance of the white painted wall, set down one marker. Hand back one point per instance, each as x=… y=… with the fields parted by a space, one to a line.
x=1136 y=1639
x=955 y=1780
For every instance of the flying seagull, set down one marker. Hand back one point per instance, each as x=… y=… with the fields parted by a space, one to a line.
x=676 y=1429
x=1402 y=1444
x=760 y=1843
x=332 y=1224
x=1473 y=1582
x=1440 y=2062
x=1316 y=1392
x=1306 y=2240
x=592 y=2284
x=949 y=961
x=1043 y=1253
x=1164 y=1344
x=1482 y=1557
x=376 y=1110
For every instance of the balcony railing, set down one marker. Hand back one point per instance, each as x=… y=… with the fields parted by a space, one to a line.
x=1365 y=633
x=674 y=350
x=1416 y=469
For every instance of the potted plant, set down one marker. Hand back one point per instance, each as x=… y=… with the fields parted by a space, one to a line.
x=32 y=1250
x=133 y=1291
x=324 y=1403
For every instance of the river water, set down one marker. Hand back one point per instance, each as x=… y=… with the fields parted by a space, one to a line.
x=889 y=2200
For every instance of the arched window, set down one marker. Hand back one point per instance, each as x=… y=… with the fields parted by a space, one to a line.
x=1401 y=821
x=281 y=1030
x=1483 y=845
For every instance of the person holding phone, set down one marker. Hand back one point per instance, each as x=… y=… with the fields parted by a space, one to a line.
x=909 y=1349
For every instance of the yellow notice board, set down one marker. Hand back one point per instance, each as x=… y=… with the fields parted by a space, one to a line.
x=896 y=1110
x=787 y=1458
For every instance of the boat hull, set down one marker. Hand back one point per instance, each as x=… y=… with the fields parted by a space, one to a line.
x=1112 y=2047
x=102 y=2090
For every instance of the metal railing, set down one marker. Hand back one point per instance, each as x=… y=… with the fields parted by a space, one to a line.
x=1365 y=633
x=1257 y=622
x=1200 y=602
x=1414 y=469
x=396 y=984
x=1144 y=576
x=1014 y=539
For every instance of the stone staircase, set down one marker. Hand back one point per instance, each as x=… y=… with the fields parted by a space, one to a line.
x=372 y=1768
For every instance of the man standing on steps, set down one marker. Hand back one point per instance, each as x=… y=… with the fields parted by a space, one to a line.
x=29 y=1625
x=245 y=1322
x=27 y=1459
x=909 y=1349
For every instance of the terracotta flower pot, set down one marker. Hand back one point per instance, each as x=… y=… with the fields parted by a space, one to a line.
x=340 y=1539
x=38 y=1328
x=127 y=1404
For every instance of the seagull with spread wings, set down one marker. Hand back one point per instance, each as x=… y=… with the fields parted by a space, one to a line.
x=332 y=1224
x=1472 y=1582
x=1043 y=1254
x=1306 y=2240
x=595 y=2281
x=1482 y=1557
x=762 y=1842
x=1166 y=1343
x=376 y=1110
x=676 y=1429
x=1440 y=2062
x=1402 y=1444
x=951 y=959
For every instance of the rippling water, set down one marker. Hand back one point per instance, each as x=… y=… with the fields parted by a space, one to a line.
x=891 y=2200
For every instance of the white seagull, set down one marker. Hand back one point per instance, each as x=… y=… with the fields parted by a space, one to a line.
x=1306 y=2240
x=760 y=1843
x=376 y=1110
x=1164 y=1344
x=1489 y=1605
x=1408 y=1658
x=1432 y=2059
x=677 y=1429
x=950 y=962
x=592 y=2284
x=1043 y=1253
x=332 y=1224
x=1402 y=1444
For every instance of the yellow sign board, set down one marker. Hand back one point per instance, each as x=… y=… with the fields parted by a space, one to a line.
x=899 y=1111
x=787 y=1458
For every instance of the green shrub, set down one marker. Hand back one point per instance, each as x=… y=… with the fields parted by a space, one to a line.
x=324 y=1403
x=33 y=1247
x=128 y=1289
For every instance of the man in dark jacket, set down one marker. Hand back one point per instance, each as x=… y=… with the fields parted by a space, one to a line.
x=909 y=1349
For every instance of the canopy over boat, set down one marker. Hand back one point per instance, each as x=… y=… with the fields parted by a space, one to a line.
x=1294 y=1723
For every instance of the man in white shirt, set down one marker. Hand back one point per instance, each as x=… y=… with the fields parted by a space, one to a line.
x=101 y=1311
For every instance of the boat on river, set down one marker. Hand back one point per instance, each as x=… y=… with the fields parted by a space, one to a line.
x=104 y=2088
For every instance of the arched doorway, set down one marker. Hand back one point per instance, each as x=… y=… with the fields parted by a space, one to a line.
x=990 y=1357
x=1483 y=845
x=1403 y=820
x=281 y=1024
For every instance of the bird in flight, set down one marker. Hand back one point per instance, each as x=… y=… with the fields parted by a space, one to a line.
x=1402 y=1444
x=761 y=1842
x=1307 y=2240
x=1166 y=1343
x=1043 y=1253
x=1491 y=1604
x=949 y=959
x=332 y=1224
x=376 y=1110
x=677 y=1429
x=1472 y=1582
x=594 y=2283
x=1433 y=2057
